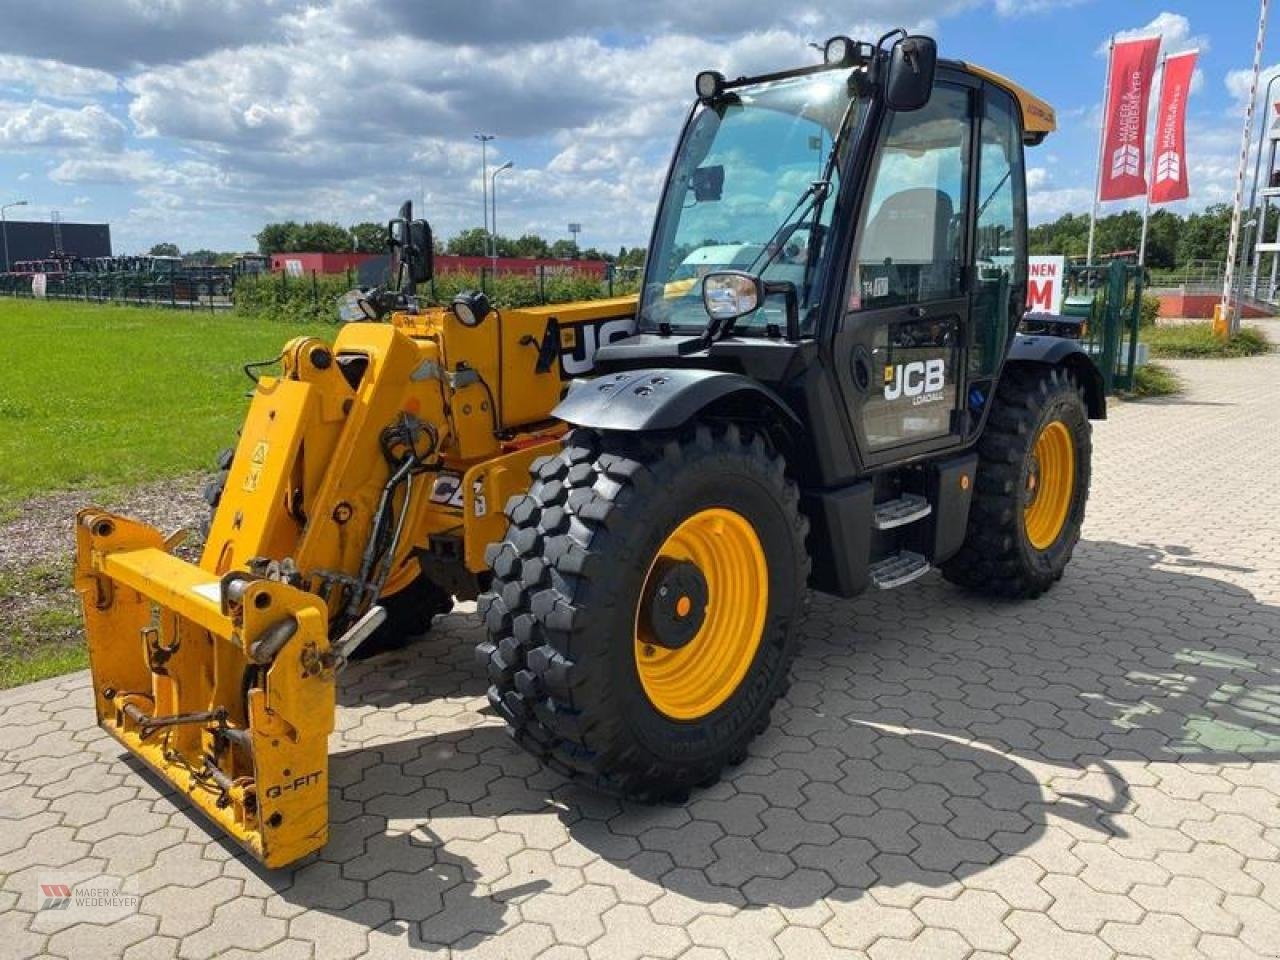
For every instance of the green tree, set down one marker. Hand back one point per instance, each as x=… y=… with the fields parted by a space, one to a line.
x=369 y=237
x=530 y=245
x=468 y=243
x=564 y=250
x=320 y=236
x=201 y=257
x=278 y=238
x=164 y=250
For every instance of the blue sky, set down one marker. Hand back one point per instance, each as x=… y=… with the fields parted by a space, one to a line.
x=175 y=124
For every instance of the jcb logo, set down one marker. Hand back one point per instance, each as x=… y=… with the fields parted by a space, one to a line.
x=579 y=342
x=915 y=378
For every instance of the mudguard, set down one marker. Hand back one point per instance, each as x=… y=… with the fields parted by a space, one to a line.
x=659 y=399
x=1061 y=351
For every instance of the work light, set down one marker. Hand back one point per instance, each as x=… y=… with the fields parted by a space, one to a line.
x=471 y=307
x=709 y=84
x=838 y=51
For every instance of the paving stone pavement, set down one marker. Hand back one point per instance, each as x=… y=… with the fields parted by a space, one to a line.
x=1094 y=774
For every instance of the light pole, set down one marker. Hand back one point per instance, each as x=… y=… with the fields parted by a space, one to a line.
x=4 y=228
x=484 y=139
x=493 y=219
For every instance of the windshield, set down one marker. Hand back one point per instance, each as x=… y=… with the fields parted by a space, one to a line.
x=742 y=196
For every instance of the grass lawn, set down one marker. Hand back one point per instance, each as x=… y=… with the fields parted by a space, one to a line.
x=108 y=396
x=1191 y=340
x=40 y=631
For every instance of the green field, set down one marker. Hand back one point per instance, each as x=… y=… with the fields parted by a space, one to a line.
x=101 y=396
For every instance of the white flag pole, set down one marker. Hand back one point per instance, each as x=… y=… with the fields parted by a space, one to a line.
x=1225 y=319
x=1151 y=172
x=1102 y=136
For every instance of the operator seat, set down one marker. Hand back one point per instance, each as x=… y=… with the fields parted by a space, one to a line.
x=910 y=237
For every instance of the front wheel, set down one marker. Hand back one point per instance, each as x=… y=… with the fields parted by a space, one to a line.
x=1034 y=461
x=643 y=612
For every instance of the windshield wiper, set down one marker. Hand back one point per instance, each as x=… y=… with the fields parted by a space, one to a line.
x=815 y=193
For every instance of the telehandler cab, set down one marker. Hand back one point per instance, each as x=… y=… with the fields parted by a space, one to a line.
x=820 y=384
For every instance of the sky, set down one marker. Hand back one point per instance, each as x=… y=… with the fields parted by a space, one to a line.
x=196 y=122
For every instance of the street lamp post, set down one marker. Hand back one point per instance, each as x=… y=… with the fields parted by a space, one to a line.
x=484 y=139
x=4 y=228
x=493 y=219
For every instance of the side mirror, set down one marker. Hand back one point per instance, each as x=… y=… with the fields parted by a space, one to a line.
x=909 y=80
x=707 y=183
x=412 y=249
x=730 y=294
x=422 y=261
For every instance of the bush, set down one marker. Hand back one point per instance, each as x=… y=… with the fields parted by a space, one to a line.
x=312 y=297
x=1155 y=380
x=1149 y=311
x=1199 y=340
x=280 y=297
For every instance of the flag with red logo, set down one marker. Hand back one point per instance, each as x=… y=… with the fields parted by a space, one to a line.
x=1169 y=151
x=1133 y=67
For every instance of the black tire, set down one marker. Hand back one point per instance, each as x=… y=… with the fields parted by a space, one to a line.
x=409 y=612
x=998 y=558
x=409 y=616
x=567 y=578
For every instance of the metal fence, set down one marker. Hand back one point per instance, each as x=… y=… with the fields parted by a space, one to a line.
x=184 y=293
x=211 y=293
x=1109 y=297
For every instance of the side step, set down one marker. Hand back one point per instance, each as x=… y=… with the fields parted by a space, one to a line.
x=897 y=569
x=908 y=508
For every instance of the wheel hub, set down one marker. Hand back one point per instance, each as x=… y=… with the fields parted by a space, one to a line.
x=676 y=604
x=1050 y=485
x=701 y=613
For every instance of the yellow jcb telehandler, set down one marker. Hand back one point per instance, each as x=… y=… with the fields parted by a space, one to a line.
x=820 y=385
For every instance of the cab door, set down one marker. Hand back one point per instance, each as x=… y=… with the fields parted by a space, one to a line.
x=900 y=346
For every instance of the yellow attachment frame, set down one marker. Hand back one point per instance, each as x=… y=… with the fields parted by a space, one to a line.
x=223 y=687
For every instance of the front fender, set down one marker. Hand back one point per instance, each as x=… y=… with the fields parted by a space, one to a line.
x=659 y=399
x=1067 y=353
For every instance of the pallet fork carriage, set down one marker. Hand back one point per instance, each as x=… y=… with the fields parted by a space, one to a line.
x=640 y=490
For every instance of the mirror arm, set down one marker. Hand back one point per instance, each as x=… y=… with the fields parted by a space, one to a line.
x=791 y=298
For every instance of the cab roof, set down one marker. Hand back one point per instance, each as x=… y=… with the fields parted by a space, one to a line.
x=1039 y=119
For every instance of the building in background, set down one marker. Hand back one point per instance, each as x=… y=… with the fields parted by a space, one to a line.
x=36 y=239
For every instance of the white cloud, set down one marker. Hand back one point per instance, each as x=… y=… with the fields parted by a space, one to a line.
x=52 y=79
x=26 y=126
x=1174 y=30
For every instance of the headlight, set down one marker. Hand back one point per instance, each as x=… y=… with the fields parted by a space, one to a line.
x=471 y=307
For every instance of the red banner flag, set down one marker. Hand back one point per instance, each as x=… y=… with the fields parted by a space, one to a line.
x=1169 y=153
x=1133 y=67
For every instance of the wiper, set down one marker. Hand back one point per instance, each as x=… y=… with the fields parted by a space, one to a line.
x=815 y=193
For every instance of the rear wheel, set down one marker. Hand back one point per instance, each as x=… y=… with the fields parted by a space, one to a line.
x=642 y=617
x=1032 y=486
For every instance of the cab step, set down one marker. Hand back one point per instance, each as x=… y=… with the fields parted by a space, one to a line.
x=898 y=569
x=907 y=508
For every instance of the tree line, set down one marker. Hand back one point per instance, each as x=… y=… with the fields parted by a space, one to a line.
x=1173 y=240
x=326 y=237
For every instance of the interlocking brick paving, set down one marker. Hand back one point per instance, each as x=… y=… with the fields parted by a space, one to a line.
x=1094 y=774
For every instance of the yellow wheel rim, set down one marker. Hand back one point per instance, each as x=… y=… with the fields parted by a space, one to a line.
x=1050 y=485
x=690 y=682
